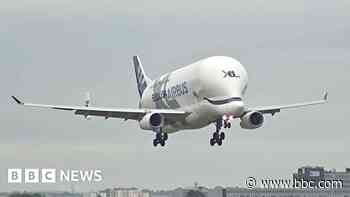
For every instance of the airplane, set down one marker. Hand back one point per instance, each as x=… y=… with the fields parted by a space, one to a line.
x=209 y=91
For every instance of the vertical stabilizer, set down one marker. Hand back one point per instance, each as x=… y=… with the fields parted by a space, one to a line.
x=141 y=78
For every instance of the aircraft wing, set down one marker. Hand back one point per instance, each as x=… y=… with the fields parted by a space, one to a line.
x=277 y=108
x=123 y=113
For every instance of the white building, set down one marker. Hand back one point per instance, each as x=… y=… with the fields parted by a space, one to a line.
x=129 y=192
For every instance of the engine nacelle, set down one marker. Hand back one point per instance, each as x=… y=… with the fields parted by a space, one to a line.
x=252 y=120
x=152 y=121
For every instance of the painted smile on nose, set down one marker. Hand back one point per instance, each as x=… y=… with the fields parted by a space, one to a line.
x=223 y=101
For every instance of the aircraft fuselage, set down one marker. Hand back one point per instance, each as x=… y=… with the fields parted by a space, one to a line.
x=208 y=89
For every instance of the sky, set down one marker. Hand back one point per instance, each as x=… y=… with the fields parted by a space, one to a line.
x=53 y=51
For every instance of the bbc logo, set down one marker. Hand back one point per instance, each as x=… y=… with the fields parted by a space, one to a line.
x=31 y=175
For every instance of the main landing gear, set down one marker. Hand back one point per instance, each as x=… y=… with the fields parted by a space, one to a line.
x=218 y=136
x=161 y=138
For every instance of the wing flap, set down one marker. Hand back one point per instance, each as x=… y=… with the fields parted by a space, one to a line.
x=111 y=114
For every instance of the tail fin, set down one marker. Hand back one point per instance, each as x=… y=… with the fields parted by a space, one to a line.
x=141 y=78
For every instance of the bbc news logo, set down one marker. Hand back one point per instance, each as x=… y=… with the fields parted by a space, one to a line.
x=52 y=175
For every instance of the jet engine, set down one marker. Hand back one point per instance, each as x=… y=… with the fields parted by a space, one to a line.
x=252 y=120
x=152 y=121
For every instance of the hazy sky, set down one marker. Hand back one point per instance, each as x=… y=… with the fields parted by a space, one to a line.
x=54 y=51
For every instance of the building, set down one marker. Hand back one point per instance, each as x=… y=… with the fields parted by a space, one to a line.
x=257 y=192
x=61 y=194
x=317 y=174
x=308 y=173
x=90 y=194
x=124 y=192
x=106 y=193
x=196 y=191
x=339 y=175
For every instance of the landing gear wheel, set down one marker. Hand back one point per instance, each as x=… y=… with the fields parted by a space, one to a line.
x=155 y=142
x=216 y=135
x=162 y=142
x=212 y=142
x=222 y=135
x=165 y=137
x=229 y=125
x=219 y=142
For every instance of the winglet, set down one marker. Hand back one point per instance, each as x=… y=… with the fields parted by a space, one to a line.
x=17 y=100
x=325 y=96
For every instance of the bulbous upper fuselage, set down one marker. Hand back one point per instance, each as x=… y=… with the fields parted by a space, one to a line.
x=210 y=87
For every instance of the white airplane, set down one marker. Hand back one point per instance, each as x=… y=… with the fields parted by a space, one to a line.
x=205 y=92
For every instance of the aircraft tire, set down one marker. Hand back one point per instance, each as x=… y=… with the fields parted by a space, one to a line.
x=212 y=142
x=155 y=142
x=219 y=142
x=222 y=136
x=216 y=135
x=165 y=136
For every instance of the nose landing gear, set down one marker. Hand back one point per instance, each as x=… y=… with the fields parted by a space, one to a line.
x=227 y=124
x=226 y=119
